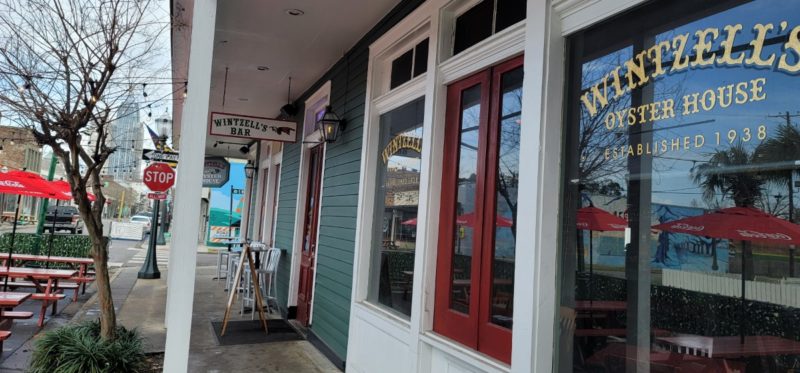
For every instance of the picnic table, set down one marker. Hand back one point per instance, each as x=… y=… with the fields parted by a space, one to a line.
x=44 y=280
x=9 y=300
x=730 y=346
x=81 y=264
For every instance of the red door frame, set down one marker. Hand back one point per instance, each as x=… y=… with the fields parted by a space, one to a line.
x=493 y=340
x=306 y=279
x=475 y=329
x=454 y=324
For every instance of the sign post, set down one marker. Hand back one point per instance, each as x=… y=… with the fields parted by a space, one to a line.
x=159 y=177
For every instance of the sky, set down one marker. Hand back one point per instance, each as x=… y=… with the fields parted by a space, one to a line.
x=158 y=101
x=220 y=197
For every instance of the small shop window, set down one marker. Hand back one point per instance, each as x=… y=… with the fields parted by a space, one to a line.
x=410 y=64
x=485 y=19
x=678 y=218
x=478 y=217
x=396 y=203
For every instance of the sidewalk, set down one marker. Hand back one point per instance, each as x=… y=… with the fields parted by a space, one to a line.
x=141 y=304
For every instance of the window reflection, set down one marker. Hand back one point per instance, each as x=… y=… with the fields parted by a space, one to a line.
x=507 y=180
x=679 y=226
x=396 y=203
x=465 y=199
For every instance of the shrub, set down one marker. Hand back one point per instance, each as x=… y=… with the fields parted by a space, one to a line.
x=79 y=349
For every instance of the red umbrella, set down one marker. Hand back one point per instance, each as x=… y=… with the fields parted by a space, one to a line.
x=738 y=223
x=468 y=219
x=595 y=219
x=22 y=183
x=65 y=190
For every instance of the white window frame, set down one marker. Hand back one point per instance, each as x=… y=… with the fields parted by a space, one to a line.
x=381 y=100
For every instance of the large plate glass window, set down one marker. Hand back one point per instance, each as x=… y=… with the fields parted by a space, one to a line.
x=681 y=166
x=477 y=234
x=396 y=203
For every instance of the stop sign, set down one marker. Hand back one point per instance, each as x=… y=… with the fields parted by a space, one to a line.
x=159 y=177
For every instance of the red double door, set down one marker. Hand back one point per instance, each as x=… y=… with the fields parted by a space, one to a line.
x=308 y=254
x=475 y=266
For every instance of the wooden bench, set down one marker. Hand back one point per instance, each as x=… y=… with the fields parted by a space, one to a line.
x=17 y=315
x=46 y=300
x=28 y=284
x=4 y=334
x=80 y=285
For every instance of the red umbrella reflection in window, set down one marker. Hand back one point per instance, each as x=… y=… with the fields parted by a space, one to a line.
x=469 y=219
x=738 y=223
x=594 y=219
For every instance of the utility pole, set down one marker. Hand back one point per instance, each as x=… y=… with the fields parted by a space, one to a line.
x=160 y=239
x=121 y=206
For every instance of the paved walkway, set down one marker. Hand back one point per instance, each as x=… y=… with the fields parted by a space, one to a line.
x=140 y=304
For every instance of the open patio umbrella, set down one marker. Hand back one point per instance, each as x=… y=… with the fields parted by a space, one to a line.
x=746 y=224
x=594 y=219
x=64 y=192
x=22 y=183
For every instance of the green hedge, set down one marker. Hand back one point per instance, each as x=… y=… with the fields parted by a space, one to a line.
x=72 y=245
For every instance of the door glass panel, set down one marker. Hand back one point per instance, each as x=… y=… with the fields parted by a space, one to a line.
x=506 y=182
x=312 y=197
x=464 y=226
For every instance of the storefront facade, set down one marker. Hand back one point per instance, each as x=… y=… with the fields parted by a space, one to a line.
x=517 y=186
x=616 y=117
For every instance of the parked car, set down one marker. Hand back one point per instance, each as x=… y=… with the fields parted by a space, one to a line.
x=66 y=218
x=142 y=219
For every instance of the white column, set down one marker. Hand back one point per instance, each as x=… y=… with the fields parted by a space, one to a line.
x=180 y=294
x=540 y=148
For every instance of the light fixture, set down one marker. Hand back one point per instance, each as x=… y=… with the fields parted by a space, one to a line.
x=289 y=110
x=330 y=125
x=216 y=143
x=185 y=89
x=249 y=169
x=294 y=12
x=262 y=68
x=245 y=149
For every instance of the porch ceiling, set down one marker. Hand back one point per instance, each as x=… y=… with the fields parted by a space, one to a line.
x=254 y=33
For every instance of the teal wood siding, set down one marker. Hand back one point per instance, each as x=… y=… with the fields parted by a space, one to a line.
x=334 y=270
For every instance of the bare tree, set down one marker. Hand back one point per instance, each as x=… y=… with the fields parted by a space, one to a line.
x=65 y=66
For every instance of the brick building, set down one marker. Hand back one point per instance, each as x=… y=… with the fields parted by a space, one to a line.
x=18 y=150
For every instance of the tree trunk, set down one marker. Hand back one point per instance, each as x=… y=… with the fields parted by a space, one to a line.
x=108 y=318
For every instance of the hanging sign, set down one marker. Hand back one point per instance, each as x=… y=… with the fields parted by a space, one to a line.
x=254 y=128
x=216 y=171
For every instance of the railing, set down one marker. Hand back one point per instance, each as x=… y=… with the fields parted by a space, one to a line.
x=783 y=292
